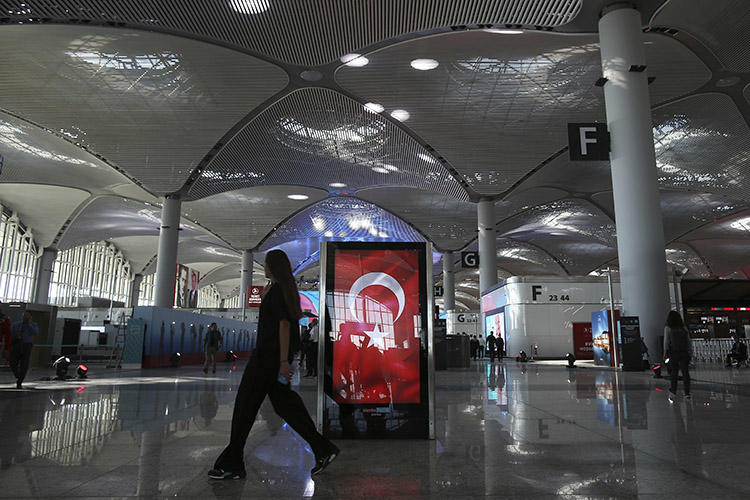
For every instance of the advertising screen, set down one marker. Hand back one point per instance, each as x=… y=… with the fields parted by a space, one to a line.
x=495 y=324
x=376 y=314
x=186 y=287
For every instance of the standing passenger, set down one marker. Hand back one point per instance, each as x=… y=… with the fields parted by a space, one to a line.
x=211 y=347
x=22 y=335
x=268 y=374
x=678 y=349
x=491 y=346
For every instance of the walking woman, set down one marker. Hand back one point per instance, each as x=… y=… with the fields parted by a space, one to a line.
x=268 y=373
x=678 y=350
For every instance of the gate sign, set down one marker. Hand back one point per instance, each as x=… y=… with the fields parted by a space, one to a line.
x=254 y=296
x=469 y=260
x=588 y=141
x=438 y=290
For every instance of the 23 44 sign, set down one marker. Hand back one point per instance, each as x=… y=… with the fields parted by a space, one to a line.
x=559 y=298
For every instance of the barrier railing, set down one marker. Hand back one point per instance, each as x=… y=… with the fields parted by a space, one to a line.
x=713 y=350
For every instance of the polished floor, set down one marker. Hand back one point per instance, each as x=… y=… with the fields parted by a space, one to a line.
x=503 y=430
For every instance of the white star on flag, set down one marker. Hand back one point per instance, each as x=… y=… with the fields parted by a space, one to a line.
x=376 y=335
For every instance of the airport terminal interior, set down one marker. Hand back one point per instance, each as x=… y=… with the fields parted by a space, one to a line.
x=489 y=208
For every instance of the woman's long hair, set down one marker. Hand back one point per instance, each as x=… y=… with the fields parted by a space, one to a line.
x=281 y=270
x=674 y=320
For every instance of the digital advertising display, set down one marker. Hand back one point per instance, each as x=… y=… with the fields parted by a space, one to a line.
x=376 y=350
x=601 y=338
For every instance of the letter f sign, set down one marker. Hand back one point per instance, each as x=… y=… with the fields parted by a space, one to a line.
x=585 y=141
x=536 y=291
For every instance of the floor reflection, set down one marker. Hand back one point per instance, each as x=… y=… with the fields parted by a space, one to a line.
x=502 y=429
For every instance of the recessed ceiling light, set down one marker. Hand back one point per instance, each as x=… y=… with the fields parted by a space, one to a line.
x=504 y=32
x=250 y=6
x=328 y=234
x=355 y=60
x=298 y=197
x=426 y=157
x=337 y=185
x=379 y=170
x=424 y=64
x=374 y=107
x=400 y=114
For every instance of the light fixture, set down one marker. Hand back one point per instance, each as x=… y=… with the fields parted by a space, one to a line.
x=571 y=359
x=400 y=114
x=174 y=359
x=82 y=371
x=424 y=64
x=389 y=167
x=379 y=170
x=231 y=356
x=297 y=196
x=328 y=234
x=374 y=107
x=337 y=185
x=61 y=367
x=504 y=32
x=250 y=6
x=355 y=60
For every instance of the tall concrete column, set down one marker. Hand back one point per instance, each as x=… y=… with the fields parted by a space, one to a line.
x=487 y=245
x=135 y=289
x=640 y=231
x=44 y=275
x=449 y=282
x=166 y=259
x=246 y=275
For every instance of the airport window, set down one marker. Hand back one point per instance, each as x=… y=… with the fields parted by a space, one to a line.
x=146 y=295
x=209 y=297
x=18 y=259
x=97 y=270
x=233 y=302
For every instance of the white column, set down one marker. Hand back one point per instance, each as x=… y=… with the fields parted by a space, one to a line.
x=166 y=259
x=246 y=275
x=640 y=231
x=135 y=289
x=487 y=245
x=44 y=275
x=449 y=283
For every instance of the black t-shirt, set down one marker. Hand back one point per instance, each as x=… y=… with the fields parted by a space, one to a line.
x=273 y=309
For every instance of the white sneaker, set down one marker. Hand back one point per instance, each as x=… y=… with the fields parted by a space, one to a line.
x=672 y=397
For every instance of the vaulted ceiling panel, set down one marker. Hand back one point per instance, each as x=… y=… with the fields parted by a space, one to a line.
x=449 y=223
x=152 y=104
x=496 y=106
x=245 y=216
x=682 y=255
x=318 y=137
x=306 y=32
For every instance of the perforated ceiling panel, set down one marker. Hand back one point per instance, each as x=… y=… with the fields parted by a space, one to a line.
x=683 y=256
x=448 y=223
x=579 y=235
x=315 y=137
x=152 y=104
x=244 y=217
x=308 y=32
x=736 y=226
x=50 y=207
x=139 y=250
x=113 y=217
x=720 y=24
x=521 y=259
x=702 y=144
x=33 y=155
x=725 y=256
x=196 y=250
x=342 y=218
x=496 y=106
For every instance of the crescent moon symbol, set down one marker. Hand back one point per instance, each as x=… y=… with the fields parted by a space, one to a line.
x=371 y=279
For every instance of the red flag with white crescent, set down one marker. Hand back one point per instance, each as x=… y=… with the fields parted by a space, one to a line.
x=376 y=321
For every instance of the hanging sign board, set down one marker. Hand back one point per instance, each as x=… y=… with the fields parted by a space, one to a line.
x=254 y=295
x=588 y=141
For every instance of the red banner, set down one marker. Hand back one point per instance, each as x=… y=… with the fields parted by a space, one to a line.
x=254 y=296
x=376 y=326
x=583 y=346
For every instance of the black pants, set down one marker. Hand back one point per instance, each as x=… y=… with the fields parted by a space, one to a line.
x=679 y=364
x=733 y=356
x=20 y=355
x=492 y=354
x=312 y=359
x=257 y=383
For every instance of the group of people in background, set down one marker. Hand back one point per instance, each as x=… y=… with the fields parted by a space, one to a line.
x=492 y=347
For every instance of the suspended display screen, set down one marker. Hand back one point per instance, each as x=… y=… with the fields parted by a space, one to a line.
x=376 y=350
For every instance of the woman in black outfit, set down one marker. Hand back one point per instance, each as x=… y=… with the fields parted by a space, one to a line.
x=277 y=334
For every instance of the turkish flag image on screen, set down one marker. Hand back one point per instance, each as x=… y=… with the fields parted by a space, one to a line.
x=376 y=327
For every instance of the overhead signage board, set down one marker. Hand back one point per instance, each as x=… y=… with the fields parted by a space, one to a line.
x=254 y=296
x=469 y=260
x=588 y=142
x=437 y=290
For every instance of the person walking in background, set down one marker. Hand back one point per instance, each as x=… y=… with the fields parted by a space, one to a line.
x=269 y=372
x=678 y=350
x=482 y=343
x=22 y=337
x=312 y=350
x=491 y=346
x=211 y=347
x=500 y=346
x=5 y=334
x=474 y=345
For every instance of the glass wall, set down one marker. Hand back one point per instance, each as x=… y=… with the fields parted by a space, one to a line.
x=209 y=297
x=146 y=295
x=233 y=302
x=18 y=259
x=93 y=270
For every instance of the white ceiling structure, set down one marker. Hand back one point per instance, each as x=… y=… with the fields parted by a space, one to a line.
x=390 y=129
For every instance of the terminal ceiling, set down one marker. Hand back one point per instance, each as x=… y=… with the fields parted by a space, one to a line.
x=106 y=106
